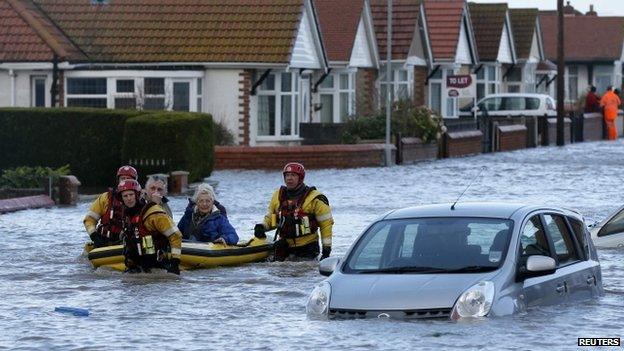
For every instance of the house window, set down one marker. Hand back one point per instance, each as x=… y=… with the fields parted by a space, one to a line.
x=200 y=83
x=86 y=92
x=514 y=80
x=487 y=81
x=435 y=92
x=572 y=88
x=124 y=96
x=529 y=77
x=401 y=84
x=154 y=94
x=38 y=91
x=277 y=105
x=602 y=78
x=337 y=94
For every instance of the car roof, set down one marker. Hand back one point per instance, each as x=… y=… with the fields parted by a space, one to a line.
x=503 y=210
x=516 y=95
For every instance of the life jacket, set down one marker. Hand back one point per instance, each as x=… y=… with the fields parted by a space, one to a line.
x=112 y=222
x=293 y=221
x=160 y=242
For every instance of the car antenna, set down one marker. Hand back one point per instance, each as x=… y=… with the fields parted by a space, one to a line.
x=462 y=194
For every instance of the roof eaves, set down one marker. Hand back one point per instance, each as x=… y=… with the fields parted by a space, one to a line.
x=317 y=34
x=512 y=41
x=367 y=17
x=469 y=28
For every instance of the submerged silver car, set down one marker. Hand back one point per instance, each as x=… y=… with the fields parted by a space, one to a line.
x=470 y=260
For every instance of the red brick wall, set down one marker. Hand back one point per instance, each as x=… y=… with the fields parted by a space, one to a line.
x=511 y=137
x=413 y=150
x=420 y=76
x=312 y=156
x=456 y=144
x=244 y=87
x=365 y=91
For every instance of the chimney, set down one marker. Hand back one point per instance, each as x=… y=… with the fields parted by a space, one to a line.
x=591 y=11
x=568 y=10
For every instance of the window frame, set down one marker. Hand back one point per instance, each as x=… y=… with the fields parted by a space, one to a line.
x=277 y=93
x=33 y=88
x=335 y=91
x=575 y=244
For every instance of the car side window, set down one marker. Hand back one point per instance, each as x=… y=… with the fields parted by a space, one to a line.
x=532 y=103
x=562 y=240
x=580 y=232
x=514 y=103
x=492 y=104
x=550 y=103
x=614 y=226
x=533 y=239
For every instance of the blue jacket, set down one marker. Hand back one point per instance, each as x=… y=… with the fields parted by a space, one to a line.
x=209 y=229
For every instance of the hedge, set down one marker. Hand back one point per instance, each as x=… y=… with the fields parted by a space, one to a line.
x=89 y=140
x=167 y=141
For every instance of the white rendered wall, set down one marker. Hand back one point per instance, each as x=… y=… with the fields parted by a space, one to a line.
x=221 y=98
x=5 y=89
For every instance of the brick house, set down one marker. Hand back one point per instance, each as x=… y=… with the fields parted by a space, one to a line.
x=594 y=50
x=249 y=65
x=431 y=40
x=496 y=47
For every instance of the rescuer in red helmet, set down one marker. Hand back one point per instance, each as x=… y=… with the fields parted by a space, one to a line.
x=107 y=209
x=298 y=212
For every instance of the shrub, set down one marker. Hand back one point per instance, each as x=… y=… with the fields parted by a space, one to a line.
x=222 y=135
x=161 y=142
x=420 y=122
x=88 y=140
x=30 y=177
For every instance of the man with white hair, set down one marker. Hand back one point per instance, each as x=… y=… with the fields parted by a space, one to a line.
x=156 y=191
x=204 y=221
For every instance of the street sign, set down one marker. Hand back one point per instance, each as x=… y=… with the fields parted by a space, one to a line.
x=462 y=86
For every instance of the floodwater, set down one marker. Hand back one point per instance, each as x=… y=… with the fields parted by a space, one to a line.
x=262 y=306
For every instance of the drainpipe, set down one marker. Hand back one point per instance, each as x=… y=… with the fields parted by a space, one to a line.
x=12 y=74
x=54 y=88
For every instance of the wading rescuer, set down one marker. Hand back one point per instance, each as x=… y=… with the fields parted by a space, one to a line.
x=151 y=239
x=610 y=104
x=297 y=212
x=108 y=210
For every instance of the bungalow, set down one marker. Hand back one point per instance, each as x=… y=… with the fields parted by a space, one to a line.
x=594 y=51
x=536 y=74
x=250 y=65
x=495 y=44
x=350 y=44
x=432 y=39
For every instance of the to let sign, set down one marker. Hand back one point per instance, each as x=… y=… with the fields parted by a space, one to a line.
x=461 y=86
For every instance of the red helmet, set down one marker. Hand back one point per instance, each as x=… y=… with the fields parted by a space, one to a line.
x=128 y=184
x=127 y=171
x=294 y=167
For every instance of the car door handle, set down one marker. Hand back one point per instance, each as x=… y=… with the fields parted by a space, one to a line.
x=560 y=288
x=591 y=280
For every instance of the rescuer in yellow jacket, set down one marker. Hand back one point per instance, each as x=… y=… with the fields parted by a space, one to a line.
x=298 y=212
x=104 y=220
x=151 y=239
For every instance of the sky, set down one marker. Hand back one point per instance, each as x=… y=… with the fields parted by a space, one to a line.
x=603 y=7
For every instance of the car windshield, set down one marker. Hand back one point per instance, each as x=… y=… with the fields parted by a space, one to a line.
x=431 y=245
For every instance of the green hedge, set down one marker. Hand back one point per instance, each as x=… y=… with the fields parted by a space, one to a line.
x=89 y=140
x=167 y=141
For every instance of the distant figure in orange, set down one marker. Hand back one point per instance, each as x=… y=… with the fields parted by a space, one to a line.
x=610 y=104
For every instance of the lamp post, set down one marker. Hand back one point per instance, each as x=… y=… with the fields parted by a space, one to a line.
x=389 y=82
x=560 y=73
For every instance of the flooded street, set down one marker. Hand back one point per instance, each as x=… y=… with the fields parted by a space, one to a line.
x=262 y=306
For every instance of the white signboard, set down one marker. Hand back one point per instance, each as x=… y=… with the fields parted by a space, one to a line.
x=462 y=86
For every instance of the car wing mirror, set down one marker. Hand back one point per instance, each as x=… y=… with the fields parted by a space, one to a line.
x=537 y=265
x=475 y=109
x=592 y=225
x=328 y=265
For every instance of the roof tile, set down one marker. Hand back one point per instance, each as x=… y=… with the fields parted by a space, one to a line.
x=339 y=20
x=523 y=24
x=487 y=22
x=404 y=23
x=444 y=20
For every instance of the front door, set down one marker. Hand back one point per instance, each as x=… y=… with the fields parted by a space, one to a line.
x=181 y=96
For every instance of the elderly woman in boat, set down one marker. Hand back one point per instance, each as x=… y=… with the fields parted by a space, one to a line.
x=204 y=221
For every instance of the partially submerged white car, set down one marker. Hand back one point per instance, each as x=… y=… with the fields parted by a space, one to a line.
x=610 y=232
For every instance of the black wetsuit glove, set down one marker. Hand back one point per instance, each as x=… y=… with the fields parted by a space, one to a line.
x=98 y=240
x=174 y=266
x=326 y=252
x=259 y=231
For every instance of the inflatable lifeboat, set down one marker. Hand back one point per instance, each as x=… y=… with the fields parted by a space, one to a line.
x=195 y=255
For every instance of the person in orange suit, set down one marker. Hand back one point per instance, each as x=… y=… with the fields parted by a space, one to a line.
x=610 y=104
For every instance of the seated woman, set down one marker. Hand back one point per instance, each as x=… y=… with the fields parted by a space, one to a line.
x=203 y=221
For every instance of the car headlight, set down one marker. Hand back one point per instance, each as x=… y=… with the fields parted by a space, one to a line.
x=474 y=302
x=318 y=303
